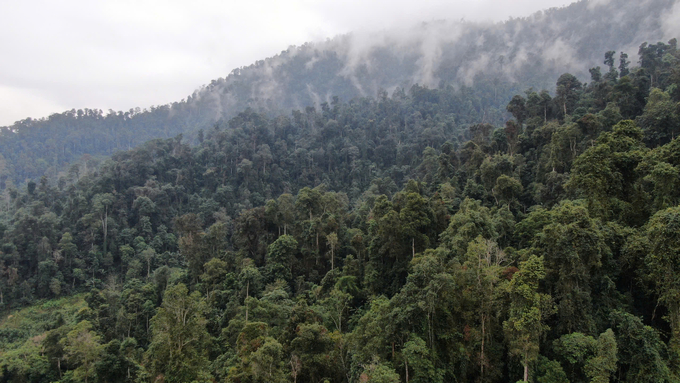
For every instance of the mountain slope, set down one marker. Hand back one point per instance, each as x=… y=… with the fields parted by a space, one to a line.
x=486 y=63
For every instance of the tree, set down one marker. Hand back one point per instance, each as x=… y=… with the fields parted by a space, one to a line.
x=623 y=64
x=82 y=347
x=471 y=221
x=250 y=280
x=215 y=272
x=605 y=172
x=517 y=107
x=612 y=74
x=507 y=189
x=26 y=363
x=260 y=356
x=332 y=240
x=602 y=365
x=280 y=258
x=482 y=274
x=568 y=92
x=337 y=304
x=118 y=362
x=378 y=372
x=659 y=121
x=189 y=227
x=101 y=204
x=528 y=311
x=663 y=262
x=372 y=335
x=313 y=344
x=549 y=371
x=418 y=361
x=148 y=255
x=590 y=358
x=179 y=343
x=643 y=356
x=512 y=132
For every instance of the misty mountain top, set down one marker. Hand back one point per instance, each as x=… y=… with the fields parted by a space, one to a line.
x=529 y=51
x=519 y=52
x=485 y=63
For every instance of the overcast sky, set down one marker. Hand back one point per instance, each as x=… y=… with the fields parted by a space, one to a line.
x=59 y=55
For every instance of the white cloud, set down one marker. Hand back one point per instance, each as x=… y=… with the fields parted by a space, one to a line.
x=596 y=3
x=671 y=23
x=59 y=55
x=16 y=104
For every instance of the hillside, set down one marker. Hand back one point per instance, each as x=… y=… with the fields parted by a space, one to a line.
x=486 y=64
x=380 y=239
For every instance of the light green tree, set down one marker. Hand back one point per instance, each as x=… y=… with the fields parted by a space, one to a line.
x=602 y=365
x=179 y=343
x=528 y=311
x=82 y=347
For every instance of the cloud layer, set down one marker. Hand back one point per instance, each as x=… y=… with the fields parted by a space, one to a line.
x=124 y=54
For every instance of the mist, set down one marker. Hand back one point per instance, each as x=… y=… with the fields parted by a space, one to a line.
x=514 y=54
x=120 y=55
x=125 y=55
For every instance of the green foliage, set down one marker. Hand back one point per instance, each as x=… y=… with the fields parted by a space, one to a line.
x=259 y=356
x=663 y=232
x=529 y=310
x=82 y=348
x=399 y=238
x=178 y=348
x=643 y=357
x=419 y=362
x=605 y=173
x=600 y=367
x=549 y=371
x=379 y=373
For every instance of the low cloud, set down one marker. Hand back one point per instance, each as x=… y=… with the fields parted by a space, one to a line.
x=126 y=54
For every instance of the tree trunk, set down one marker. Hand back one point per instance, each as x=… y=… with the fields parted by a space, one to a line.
x=105 y=225
x=246 y=303
x=406 y=363
x=481 y=356
x=413 y=247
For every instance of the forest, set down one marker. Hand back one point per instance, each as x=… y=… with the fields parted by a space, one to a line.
x=484 y=64
x=393 y=238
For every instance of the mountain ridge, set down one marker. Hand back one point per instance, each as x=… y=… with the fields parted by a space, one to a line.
x=490 y=62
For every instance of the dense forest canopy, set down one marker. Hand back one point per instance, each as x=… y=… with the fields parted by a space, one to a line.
x=486 y=64
x=381 y=239
x=488 y=232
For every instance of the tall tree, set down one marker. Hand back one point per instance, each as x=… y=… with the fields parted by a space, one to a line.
x=529 y=310
x=178 y=349
x=83 y=348
x=663 y=261
x=568 y=92
x=101 y=204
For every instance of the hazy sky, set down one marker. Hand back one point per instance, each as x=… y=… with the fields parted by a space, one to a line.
x=59 y=55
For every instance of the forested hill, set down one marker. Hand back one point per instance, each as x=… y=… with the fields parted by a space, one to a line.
x=375 y=240
x=486 y=63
